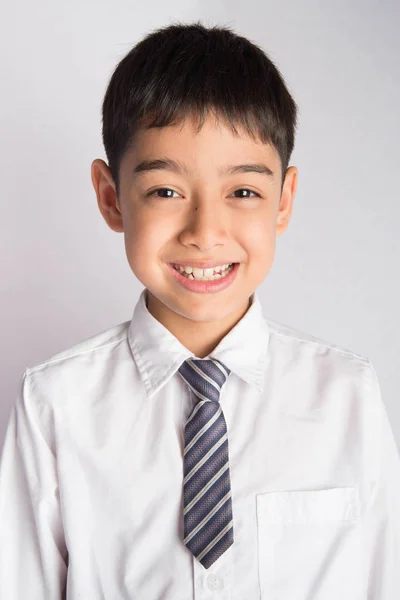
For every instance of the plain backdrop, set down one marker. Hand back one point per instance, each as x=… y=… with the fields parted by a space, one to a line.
x=64 y=274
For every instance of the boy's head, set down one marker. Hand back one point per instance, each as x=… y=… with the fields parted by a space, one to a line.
x=182 y=108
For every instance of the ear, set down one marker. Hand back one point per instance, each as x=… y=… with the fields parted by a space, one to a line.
x=106 y=194
x=286 y=201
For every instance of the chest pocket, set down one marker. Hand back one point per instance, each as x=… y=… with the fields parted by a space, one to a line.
x=309 y=544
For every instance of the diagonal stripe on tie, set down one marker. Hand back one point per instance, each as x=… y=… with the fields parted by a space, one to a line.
x=207 y=511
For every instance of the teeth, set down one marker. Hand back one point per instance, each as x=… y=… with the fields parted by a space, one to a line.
x=208 y=274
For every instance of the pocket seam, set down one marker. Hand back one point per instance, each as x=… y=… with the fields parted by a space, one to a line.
x=327 y=505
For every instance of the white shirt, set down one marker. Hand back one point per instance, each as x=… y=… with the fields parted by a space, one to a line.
x=91 y=476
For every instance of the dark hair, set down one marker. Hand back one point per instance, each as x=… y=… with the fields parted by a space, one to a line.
x=187 y=69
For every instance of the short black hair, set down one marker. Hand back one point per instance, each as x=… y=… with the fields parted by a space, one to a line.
x=185 y=70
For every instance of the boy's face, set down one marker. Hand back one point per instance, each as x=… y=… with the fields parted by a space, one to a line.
x=204 y=217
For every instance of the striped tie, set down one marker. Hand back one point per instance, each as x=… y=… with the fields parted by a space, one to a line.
x=208 y=523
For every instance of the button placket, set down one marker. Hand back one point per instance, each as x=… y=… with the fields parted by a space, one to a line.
x=213 y=582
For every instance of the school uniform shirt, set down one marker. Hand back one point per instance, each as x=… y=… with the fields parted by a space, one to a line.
x=91 y=479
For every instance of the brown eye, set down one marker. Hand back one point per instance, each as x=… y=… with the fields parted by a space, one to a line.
x=167 y=195
x=246 y=190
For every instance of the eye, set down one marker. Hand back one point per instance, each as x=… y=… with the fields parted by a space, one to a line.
x=246 y=190
x=169 y=193
x=168 y=190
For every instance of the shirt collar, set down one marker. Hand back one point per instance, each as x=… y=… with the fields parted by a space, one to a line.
x=159 y=354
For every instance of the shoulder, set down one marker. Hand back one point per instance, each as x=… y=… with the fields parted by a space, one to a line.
x=98 y=343
x=292 y=338
x=80 y=365
x=305 y=353
x=313 y=377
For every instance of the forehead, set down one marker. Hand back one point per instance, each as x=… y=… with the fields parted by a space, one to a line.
x=210 y=144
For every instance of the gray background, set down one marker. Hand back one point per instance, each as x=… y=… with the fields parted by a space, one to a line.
x=64 y=275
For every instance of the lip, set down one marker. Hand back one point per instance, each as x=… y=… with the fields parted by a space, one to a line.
x=205 y=287
x=203 y=264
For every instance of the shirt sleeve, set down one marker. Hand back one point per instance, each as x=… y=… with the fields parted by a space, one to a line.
x=33 y=553
x=381 y=544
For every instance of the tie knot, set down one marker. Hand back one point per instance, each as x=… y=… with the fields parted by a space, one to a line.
x=205 y=377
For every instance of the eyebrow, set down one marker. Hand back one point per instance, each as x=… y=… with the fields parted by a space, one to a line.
x=178 y=167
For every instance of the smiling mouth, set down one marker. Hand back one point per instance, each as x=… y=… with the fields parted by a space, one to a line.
x=196 y=274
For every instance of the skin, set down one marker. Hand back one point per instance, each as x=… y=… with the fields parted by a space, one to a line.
x=206 y=217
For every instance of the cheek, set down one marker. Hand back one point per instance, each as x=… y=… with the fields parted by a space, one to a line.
x=144 y=241
x=258 y=238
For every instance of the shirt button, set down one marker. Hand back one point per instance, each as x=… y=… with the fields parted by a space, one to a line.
x=214 y=583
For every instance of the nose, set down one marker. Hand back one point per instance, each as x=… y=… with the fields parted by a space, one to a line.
x=204 y=228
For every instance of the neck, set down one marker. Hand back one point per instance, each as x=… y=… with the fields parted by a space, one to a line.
x=200 y=337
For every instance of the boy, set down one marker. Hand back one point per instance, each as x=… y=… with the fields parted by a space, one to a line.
x=199 y=450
